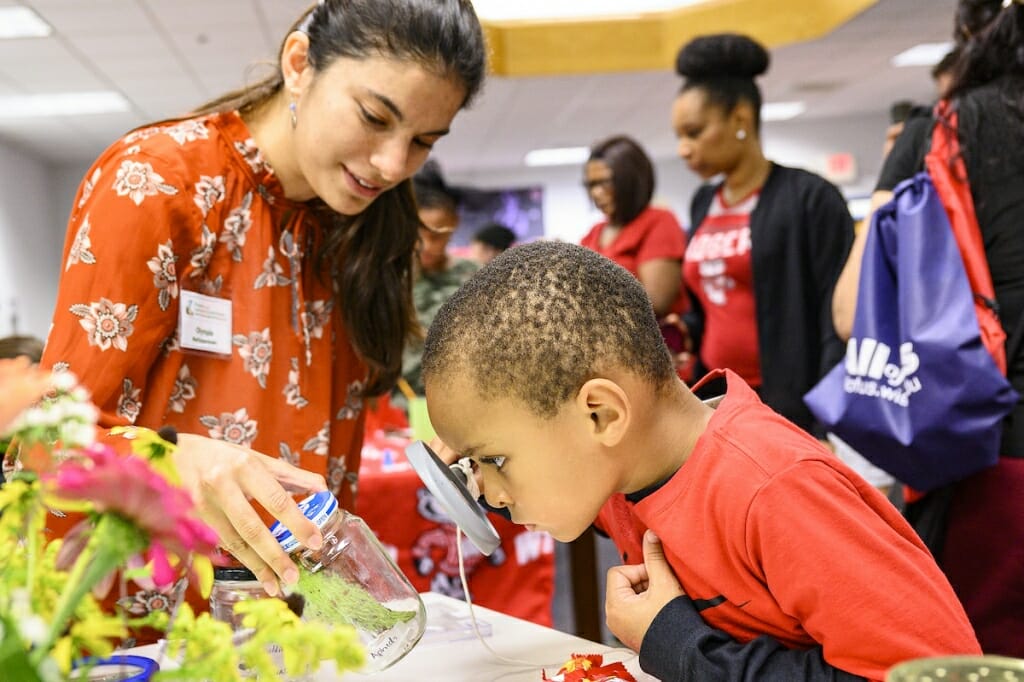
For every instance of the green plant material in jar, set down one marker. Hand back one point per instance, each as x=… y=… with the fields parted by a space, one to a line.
x=332 y=599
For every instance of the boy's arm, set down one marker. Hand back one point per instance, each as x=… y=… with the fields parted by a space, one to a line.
x=647 y=610
x=680 y=646
x=838 y=557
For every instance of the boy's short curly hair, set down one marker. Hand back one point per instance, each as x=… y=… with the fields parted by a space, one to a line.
x=541 y=320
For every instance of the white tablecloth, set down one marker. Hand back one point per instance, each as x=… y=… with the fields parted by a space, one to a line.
x=445 y=655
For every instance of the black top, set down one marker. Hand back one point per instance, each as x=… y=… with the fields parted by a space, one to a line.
x=800 y=233
x=991 y=132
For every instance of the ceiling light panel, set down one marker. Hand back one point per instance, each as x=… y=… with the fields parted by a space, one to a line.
x=538 y=10
x=21 y=22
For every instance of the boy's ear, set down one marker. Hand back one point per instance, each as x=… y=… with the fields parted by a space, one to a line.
x=607 y=408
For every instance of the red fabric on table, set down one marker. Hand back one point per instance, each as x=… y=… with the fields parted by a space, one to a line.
x=518 y=579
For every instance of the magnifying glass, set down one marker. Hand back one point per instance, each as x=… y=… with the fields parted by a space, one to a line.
x=448 y=486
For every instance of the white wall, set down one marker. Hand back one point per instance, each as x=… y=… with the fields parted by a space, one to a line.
x=31 y=240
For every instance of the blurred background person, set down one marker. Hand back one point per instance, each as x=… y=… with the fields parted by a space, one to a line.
x=18 y=346
x=647 y=241
x=766 y=243
x=490 y=241
x=30 y=349
x=437 y=273
x=942 y=74
x=982 y=546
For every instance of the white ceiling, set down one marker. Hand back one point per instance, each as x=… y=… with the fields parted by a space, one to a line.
x=166 y=56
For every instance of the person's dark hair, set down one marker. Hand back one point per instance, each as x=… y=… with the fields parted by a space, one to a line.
x=370 y=256
x=431 y=190
x=946 y=64
x=442 y=36
x=901 y=110
x=724 y=66
x=632 y=175
x=990 y=41
x=18 y=346
x=495 y=235
x=541 y=320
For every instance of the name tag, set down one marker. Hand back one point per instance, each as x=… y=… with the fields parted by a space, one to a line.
x=204 y=323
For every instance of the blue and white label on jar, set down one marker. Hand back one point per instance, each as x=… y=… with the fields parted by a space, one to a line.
x=317 y=508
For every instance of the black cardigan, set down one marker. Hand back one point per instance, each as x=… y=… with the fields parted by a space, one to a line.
x=800 y=232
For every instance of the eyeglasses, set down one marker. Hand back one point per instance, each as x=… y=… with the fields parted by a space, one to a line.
x=444 y=229
x=600 y=182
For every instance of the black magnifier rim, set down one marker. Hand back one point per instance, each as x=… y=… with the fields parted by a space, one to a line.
x=452 y=495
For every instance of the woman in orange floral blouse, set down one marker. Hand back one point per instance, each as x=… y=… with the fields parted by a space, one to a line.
x=244 y=274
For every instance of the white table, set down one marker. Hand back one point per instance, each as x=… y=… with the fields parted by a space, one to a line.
x=439 y=658
x=467 y=659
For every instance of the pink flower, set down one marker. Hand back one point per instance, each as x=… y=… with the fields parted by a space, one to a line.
x=129 y=487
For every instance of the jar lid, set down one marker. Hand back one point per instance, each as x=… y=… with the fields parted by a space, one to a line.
x=237 y=573
x=127 y=668
x=317 y=508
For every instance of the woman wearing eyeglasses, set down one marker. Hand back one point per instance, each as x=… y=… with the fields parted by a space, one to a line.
x=647 y=241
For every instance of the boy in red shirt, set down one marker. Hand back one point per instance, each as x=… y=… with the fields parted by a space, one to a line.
x=776 y=561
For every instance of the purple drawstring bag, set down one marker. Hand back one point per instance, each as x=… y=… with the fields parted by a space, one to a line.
x=918 y=394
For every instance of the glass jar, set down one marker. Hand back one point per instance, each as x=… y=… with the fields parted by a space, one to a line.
x=351 y=579
x=234 y=584
x=230 y=586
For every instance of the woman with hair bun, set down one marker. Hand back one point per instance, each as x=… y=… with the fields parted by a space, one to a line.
x=766 y=244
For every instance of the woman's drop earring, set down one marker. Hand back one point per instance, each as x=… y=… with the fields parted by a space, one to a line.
x=741 y=134
x=295 y=119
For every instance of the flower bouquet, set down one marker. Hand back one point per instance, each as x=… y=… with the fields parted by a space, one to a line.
x=137 y=523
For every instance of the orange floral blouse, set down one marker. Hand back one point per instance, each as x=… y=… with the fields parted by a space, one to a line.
x=192 y=206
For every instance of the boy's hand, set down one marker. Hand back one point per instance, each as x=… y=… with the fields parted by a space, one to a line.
x=636 y=594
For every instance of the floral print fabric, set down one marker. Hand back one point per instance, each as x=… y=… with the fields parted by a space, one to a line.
x=193 y=206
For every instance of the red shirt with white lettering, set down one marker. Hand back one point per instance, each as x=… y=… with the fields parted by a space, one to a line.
x=717 y=268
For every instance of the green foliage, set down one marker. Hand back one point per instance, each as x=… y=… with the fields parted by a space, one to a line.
x=208 y=649
x=332 y=599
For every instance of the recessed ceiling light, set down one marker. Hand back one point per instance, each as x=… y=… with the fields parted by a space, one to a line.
x=557 y=156
x=925 y=54
x=782 y=111
x=21 y=22
x=503 y=10
x=61 y=104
